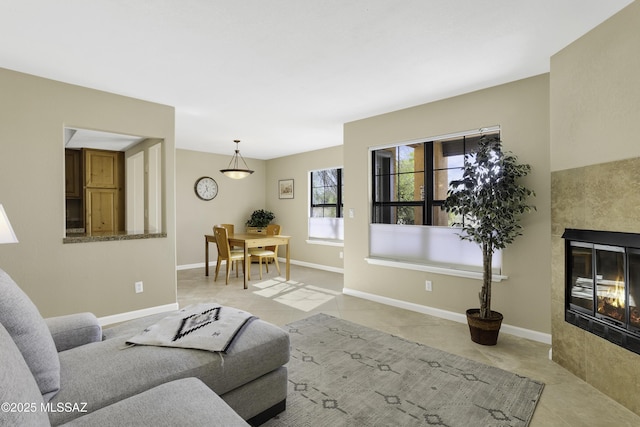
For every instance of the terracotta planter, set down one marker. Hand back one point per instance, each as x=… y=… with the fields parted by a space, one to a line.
x=484 y=331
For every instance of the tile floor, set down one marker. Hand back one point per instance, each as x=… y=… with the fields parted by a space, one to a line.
x=566 y=401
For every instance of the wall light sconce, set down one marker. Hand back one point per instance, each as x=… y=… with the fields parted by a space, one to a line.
x=233 y=171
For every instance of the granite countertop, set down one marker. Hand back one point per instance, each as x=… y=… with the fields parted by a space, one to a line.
x=78 y=236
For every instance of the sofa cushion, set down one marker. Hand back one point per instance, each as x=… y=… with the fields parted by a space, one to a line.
x=19 y=393
x=186 y=402
x=103 y=373
x=29 y=331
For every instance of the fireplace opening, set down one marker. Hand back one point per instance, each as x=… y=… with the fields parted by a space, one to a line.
x=603 y=284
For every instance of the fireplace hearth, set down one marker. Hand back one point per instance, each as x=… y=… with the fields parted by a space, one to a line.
x=603 y=284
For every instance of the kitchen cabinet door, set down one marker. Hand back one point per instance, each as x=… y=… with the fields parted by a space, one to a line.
x=72 y=178
x=103 y=168
x=102 y=211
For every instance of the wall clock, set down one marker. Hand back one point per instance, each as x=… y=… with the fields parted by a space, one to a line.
x=206 y=188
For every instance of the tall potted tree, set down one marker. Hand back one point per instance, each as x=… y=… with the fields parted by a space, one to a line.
x=488 y=202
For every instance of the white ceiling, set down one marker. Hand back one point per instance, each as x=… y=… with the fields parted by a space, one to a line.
x=284 y=75
x=85 y=138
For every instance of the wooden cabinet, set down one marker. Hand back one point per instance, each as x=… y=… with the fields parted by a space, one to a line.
x=102 y=168
x=72 y=174
x=94 y=191
x=102 y=211
x=74 y=208
x=103 y=191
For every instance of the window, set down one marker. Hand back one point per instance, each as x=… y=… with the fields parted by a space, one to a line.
x=410 y=181
x=326 y=206
x=326 y=193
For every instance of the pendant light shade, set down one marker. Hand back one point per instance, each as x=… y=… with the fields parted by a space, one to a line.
x=233 y=170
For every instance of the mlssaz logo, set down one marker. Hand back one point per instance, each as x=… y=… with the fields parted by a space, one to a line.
x=64 y=407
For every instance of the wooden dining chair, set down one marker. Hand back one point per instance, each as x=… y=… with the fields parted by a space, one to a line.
x=268 y=252
x=225 y=254
x=230 y=228
x=230 y=231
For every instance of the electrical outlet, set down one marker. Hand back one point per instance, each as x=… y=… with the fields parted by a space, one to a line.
x=428 y=285
x=341 y=255
x=139 y=287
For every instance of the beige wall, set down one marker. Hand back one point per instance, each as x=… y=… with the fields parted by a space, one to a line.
x=522 y=110
x=238 y=198
x=595 y=93
x=235 y=201
x=595 y=98
x=292 y=214
x=66 y=278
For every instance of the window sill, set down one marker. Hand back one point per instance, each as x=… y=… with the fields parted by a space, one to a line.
x=82 y=238
x=337 y=243
x=446 y=270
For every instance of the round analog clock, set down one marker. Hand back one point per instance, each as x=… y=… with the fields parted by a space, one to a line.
x=206 y=188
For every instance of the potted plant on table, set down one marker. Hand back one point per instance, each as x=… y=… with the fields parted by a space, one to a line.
x=259 y=219
x=488 y=201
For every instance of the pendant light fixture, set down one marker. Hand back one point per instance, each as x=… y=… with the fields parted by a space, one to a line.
x=233 y=171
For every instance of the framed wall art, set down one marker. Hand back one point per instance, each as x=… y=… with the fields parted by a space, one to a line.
x=285 y=189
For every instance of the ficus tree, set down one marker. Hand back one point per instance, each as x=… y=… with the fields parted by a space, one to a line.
x=488 y=202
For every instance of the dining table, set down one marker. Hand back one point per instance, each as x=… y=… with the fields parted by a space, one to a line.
x=247 y=241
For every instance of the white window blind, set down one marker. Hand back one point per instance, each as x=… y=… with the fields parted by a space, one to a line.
x=435 y=246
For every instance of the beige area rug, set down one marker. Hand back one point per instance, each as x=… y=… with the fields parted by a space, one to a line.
x=344 y=374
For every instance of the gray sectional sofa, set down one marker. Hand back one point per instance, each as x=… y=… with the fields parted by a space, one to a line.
x=68 y=371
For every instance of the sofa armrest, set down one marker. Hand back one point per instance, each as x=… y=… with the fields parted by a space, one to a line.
x=74 y=330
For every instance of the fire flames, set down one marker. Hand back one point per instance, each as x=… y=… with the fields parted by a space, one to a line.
x=611 y=302
x=634 y=316
x=616 y=296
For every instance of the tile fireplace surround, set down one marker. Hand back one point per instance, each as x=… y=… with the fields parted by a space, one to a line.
x=598 y=197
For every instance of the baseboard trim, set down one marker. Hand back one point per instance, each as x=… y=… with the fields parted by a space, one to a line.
x=130 y=315
x=444 y=314
x=282 y=260
x=189 y=266
x=192 y=266
x=316 y=266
